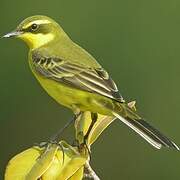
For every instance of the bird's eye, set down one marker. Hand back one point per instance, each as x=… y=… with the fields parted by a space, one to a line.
x=34 y=27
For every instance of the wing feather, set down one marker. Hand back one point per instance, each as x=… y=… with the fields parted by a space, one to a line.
x=77 y=76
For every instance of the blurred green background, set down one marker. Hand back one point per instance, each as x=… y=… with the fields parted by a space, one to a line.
x=138 y=42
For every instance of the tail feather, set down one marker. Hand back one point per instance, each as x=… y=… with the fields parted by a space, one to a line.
x=149 y=133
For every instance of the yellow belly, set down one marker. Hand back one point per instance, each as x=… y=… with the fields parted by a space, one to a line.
x=74 y=98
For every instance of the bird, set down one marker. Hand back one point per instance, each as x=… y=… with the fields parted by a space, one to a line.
x=73 y=77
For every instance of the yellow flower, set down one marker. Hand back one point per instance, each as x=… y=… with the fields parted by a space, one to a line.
x=53 y=161
x=59 y=161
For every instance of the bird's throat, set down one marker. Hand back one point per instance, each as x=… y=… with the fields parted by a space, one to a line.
x=37 y=40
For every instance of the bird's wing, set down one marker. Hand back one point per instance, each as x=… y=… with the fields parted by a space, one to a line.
x=89 y=79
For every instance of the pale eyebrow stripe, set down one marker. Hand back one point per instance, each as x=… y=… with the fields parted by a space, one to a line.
x=37 y=22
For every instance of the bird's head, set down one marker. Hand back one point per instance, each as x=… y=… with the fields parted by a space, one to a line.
x=37 y=31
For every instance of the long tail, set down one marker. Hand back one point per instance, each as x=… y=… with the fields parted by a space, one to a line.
x=149 y=133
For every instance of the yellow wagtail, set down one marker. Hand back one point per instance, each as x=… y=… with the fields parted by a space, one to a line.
x=75 y=79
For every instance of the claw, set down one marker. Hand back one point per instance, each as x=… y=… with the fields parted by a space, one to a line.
x=83 y=146
x=41 y=144
x=47 y=144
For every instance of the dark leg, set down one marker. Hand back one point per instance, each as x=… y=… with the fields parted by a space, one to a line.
x=94 y=117
x=55 y=137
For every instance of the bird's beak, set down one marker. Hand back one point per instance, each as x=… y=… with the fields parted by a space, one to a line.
x=12 y=34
